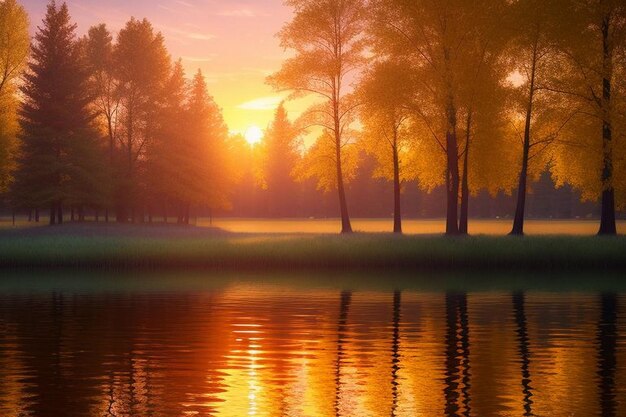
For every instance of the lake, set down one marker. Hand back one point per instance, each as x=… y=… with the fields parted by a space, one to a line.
x=258 y=345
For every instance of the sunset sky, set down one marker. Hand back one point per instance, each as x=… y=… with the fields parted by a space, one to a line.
x=233 y=42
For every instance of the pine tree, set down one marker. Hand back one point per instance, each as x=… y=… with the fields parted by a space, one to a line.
x=280 y=155
x=209 y=177
x=59 y=162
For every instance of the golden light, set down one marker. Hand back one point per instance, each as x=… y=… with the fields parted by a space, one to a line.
x=253 y=135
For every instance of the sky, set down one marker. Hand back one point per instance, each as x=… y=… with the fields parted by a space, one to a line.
x=233 y=42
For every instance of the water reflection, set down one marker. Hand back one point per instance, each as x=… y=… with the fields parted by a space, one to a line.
x=457 y=356
x=250 y=350
x=395 y=352
x=346 y=297
x=607 y=353
x=524 y=350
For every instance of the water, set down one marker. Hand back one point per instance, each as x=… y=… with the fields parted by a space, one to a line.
x=305 y=346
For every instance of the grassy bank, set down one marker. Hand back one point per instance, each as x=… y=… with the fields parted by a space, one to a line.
x=128 y=247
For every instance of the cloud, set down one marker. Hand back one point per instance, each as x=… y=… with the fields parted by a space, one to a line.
x=187 y=34
x=262 y=104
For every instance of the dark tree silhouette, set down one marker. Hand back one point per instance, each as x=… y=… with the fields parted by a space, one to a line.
x=59 y=161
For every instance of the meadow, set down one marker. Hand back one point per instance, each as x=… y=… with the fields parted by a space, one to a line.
x=247 y=245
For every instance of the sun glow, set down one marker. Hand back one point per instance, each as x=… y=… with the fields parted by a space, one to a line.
x=253 y=135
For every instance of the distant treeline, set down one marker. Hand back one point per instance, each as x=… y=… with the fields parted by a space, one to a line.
x=424 y=107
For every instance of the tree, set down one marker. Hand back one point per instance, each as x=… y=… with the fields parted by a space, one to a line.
x=168 y=152
x=435 y=40
x=386 y=94
x=327 y=38
x=98 y=45
x=14 y=42
x=533 y=51
x=141 y=67
x=58 y=162
x=591 y=38
x=14 y=47
x=280 y=153
x=488 y=161
x=208 y=180
x=481 y=96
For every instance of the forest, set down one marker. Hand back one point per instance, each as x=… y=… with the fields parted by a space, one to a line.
x=472 y=97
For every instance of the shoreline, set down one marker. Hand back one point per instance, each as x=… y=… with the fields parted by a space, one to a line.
x=157 y=248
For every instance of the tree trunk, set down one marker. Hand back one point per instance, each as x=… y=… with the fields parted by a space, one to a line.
x=452 y=181
x=60 y=213
x=37 y=215
x=607 y=220
x=346 y=227
x=397 y=214
x=463 y=222
x=30 y=216
x=53 y=214
x=518 y=222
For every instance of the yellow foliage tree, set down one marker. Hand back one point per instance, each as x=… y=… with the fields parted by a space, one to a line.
x=14 y=48
x=591 y=37
x=438 y=42
x=386 y=94
x=327 y=38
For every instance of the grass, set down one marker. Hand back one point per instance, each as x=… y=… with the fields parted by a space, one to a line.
x=163 y=247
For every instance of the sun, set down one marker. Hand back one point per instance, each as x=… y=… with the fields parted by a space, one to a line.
x=253 y=135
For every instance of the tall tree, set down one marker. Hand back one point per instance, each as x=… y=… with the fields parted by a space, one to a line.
x=14 y=47
x=327 y=38
x=168 y=151
x=481 y=95
x=591 y=37
x=280 y=153
x=386 y=93
x=534 y=53
x=434 y=38
x=141 y=65
x=98 y=46
x=58 y=161
x=209 y=175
